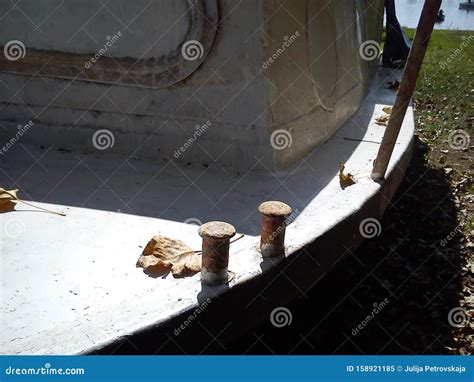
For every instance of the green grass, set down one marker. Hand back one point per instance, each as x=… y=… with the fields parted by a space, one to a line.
x=445 y=87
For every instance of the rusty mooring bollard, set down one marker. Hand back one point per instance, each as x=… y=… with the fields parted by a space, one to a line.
x=272 y=234
x=215 y=251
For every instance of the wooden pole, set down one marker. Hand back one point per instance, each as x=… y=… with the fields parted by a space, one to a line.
x=407 y=86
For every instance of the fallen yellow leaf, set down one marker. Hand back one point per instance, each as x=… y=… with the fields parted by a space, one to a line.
x=382 y=120
x=387 y=109
x=345 y=179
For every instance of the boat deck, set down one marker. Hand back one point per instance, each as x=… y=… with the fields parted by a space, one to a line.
x=70 y=285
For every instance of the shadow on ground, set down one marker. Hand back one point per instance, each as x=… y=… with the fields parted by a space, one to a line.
x=394 y=294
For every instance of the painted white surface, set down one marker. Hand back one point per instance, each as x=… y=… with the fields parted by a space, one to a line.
x=310 y=90
x=82 y=26
x=70 y=283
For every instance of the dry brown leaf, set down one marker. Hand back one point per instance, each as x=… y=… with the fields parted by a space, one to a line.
x=163 y=254
x=345 y=179
x=387 y=109
x=8 y=198
x=382 y=120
